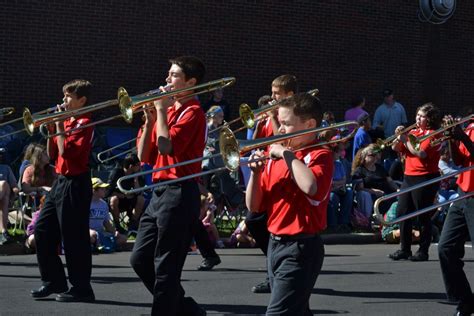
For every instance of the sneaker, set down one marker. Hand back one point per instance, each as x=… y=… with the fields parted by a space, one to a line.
x=263 y=287
x=209 y=263
x=419 y=256
x=400 y=255
x=74 y=296
x=4 y=238
x=132 y=234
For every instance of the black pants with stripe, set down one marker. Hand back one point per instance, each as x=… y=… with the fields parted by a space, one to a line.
x=162 y=243
x=413 y=201
x=65 y=217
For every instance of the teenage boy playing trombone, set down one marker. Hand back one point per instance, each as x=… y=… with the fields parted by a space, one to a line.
x=459 y=224
x=293 y=188
x=166 y=227
x=65 y=214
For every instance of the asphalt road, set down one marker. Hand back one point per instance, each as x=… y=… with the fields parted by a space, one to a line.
x=355 y=280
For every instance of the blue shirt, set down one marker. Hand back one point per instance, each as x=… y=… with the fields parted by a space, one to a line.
x=339 y=170
x=361 y=139
x=390 y=117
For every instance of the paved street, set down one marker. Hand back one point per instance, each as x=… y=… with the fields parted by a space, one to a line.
x=356 y=280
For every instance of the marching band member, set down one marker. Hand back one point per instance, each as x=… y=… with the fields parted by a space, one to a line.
x=459 y=224
x=420 y=165
x=65 y=214
x=294 y=191
x=283 y=86
x=166 y=226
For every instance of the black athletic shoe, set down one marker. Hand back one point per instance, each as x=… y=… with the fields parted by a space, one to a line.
x=209 y=263
x=263 y=287
x=400 y=255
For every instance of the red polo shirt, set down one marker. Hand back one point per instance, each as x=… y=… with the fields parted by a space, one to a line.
x=290 y=211
x=77 y=147
x=187 y=130
x=414 y=165
x=264 y=128
x=153 y=149
x=466 y=179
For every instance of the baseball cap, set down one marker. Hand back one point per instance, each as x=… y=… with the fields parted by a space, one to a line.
x=98 y=183
x=362 y=118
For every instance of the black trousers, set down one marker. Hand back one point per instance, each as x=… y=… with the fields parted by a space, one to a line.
x=65 y=216
x=417 y=200
x=458 y=227
x=293 y=267
x=204 y=243
x=257 y=226
x=162 y=243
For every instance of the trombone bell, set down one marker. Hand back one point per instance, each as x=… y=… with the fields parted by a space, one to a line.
x=125 y=105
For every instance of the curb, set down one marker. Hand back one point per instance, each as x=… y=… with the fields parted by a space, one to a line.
x=351 y=239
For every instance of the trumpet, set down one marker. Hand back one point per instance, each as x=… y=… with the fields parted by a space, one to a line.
x=415 y=187
x=230 y=150
x=7 y=111
x=249 y=117
x=416 y=141
x=139 y=103
x=387 y=142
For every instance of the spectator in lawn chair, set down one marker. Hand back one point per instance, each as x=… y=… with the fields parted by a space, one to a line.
x=40 y=174
x=130 y=203
x=8 y=188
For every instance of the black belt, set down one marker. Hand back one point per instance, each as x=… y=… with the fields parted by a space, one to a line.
x=284 y=238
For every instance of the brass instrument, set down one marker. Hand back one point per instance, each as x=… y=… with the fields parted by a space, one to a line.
x=249 y=117
x=387 y=142
x=415 y=187
x=131 y=105
x=102 y=160
x=416 y=141
x=231 y=149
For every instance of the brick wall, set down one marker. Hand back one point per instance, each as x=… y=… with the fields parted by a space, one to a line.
x=344 y=48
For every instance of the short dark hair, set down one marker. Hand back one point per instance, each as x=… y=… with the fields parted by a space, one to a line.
x=264 y=100
x=356 y=101
x=432 y=113
x=79 y=87
x=305 y=106
x=287 y=82
x=192 y=67
x=130 y=160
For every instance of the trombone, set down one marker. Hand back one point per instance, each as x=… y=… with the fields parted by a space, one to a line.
x=231 y=149
x=131 y=105
x=387 y=142
x=249 y=117
x=29 y=128
x=102 y=160
x=416 y=141
x=415 y=187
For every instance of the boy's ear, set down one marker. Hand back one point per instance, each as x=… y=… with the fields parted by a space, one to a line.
x=82 y=100
x=191 y=82
x=311 y=123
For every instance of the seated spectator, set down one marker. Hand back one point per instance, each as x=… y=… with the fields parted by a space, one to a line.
x=8 y=188
x=448 y=187
x=104 y=237
x=391 y=234
x=362 y=137
x=207 y=218
x=26 y=160
x=130 y=203
x=341 y=197
x=30 y=229
x=241 y=237
x=328 y=119
x=370 y=180
x=39 y=175
x=215 y=118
